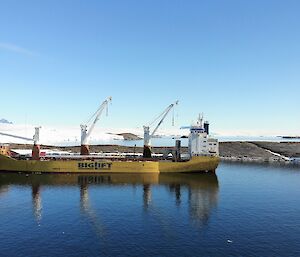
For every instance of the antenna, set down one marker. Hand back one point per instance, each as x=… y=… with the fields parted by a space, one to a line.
x=200 y=120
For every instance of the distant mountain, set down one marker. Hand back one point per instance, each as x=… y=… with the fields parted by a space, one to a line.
x=5 y=121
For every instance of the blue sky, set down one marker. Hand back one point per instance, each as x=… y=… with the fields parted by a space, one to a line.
x=237 y=61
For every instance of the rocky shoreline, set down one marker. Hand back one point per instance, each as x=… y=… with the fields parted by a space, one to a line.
x=261 y=152
x=258 y=152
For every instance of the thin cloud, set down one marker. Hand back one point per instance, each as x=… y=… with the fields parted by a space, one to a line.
x=16 y=49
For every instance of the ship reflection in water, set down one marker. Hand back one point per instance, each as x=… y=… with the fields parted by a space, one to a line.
x=199 y=191
x=247 y=210
x=202 y=189
x=37 y=201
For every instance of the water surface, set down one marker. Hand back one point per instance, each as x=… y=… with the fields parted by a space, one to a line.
x=243 y=210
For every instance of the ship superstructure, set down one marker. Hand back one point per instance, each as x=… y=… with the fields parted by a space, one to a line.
x=200 y=143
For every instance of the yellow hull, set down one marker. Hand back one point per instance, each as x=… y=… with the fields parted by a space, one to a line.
x=199 y=163
x=196 y=164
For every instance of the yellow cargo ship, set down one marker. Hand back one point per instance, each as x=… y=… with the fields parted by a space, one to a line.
x=203 y=155
x=196 y=164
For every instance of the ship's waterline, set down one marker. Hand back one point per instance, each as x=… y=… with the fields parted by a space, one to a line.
x=200 y=164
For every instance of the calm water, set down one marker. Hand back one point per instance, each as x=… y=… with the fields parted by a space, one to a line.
x=255 y=206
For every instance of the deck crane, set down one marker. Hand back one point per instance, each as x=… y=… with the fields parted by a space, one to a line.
x=85 y=132
x=36 y=144
x=35 y=139
x=15 y=136
x=148 y=136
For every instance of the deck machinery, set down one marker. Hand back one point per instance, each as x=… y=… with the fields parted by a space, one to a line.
x=148 y=136
x=86 y=132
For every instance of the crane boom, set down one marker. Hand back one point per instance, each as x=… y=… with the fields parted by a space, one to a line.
x=14 y=136
x=165 y=113
x=35 y=139
x=148 y=136
x=85 y=132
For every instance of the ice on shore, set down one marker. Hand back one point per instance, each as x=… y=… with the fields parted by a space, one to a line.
x=54 y=135
x=70 y=135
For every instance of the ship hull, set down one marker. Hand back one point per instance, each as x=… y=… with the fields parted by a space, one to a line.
x=196 y=164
